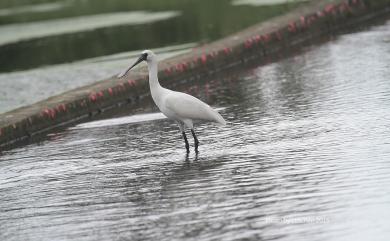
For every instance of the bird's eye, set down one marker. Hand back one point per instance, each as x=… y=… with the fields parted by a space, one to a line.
x=145 y=55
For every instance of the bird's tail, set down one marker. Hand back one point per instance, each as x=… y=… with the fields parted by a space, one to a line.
x=218 y=118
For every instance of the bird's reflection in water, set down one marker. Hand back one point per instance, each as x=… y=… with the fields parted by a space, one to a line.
x=187 y=157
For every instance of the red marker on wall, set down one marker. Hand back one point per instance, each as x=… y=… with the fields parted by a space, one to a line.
x=204 y=59
x=110 y=91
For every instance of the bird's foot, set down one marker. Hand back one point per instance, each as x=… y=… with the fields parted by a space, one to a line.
x=195 y=140
x=196 y=145
x=186 y=142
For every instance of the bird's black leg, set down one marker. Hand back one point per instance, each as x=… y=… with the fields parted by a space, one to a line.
x=196 y=140
x=186 y=141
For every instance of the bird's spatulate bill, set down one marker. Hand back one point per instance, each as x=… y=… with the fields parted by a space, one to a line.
x=139 y=60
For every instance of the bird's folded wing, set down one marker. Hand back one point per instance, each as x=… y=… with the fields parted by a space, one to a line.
x=189 y=107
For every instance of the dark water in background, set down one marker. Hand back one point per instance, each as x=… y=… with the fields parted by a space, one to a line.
x=41 y=32
x=305 y=156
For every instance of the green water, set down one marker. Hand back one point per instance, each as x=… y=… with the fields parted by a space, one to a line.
x=35 y=33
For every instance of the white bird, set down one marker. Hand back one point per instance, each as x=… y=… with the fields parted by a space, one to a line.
x=181 y=107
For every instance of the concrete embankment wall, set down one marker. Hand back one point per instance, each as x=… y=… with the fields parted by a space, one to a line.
x=261 y=42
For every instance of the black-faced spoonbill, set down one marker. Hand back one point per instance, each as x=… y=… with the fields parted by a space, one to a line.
x=181 y=107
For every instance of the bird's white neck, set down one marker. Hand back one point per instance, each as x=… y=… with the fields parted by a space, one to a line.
x=155 y=86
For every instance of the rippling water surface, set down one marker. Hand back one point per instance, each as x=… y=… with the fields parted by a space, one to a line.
x=305 y=156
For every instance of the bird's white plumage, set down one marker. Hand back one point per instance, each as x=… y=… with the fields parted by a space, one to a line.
x=181 y=107
x=176 y=105
x=188 y=107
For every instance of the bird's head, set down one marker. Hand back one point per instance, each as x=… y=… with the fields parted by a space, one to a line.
x=146 y=55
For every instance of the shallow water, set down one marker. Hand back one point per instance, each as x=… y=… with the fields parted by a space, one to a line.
x=305 y=156
x=26 y=31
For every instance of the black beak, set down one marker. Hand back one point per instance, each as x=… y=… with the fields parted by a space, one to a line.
x=139 y=60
